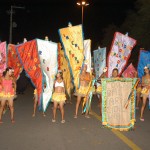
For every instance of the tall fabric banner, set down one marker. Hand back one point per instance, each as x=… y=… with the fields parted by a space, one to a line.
x=48 y=57
x=63 y=65
x=114 y=113
x=87 y=54
x=13 y=60
x=144 y=60
x=129 y=72
x=72 y=40
x=28 y=54
x=3 y=57
x=99 y=61
x=120 y=52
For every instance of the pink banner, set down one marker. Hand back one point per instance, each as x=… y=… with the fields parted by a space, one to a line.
x=129 y=72
x=3 y=56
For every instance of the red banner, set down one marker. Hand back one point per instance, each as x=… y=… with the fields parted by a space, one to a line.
x=13 y=60
x=28 y=54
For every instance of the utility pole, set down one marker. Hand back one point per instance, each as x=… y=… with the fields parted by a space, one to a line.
x=11 y=21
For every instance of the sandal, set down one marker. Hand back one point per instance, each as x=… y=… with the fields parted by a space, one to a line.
x=75 y=116
x=63 y=121
x=12 y=121
x=142 y=119
x=87 y=116
x=53 y=120
x=33 y=115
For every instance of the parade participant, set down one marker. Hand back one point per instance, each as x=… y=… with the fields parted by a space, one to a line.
x=145 y=90
x=59 y=97
x=8 y=93
x=115 y=73
x=99 y=88
x=85 y=80
x=35 y=98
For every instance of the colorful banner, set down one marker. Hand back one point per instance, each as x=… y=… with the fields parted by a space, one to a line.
x=120 y=52
x=63 y=65
x=28 y=55
x=129 y=72
x=114 y=113
x=72 y=40
x=48 y=57
x=3 y=57
x=99 y=61
x=87 y=54
x=144 y=60
x=13 y=60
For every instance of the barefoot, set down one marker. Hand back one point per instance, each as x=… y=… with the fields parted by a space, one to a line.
x=12 y=121
x=44 y=115
x=1 y=121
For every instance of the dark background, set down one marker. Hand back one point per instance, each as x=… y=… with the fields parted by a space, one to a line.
x=101 y=19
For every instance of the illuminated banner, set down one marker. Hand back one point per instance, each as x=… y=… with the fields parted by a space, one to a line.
x=72 y=40
x=99 y=61
x=120 y=52
x=48 y=57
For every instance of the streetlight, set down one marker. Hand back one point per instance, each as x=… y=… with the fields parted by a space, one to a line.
x=11 y=23
x=82 y=4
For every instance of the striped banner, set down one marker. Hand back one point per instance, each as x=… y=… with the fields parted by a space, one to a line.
x=144 y=60
x=48 y=57
x=87 y=54
x=28 y=55
x=13 y=60
x=3 y=57
x=120 y=52
x=99 y=61
x=72 y=40
x=63 y=65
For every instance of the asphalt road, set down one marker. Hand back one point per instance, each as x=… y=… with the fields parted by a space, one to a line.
x=40 y=133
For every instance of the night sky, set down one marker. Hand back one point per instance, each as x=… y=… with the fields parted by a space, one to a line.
x=45 y=17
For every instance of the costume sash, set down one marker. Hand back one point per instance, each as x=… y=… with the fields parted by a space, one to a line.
x=72 y=40
x=48 y=57
x=3 y=57
x=120 y=52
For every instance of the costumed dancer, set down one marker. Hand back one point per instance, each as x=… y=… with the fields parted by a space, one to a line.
x=87 y=102
x=59 y=97
x=82 y=92
x=145 y=90
x=35 y=98
x=99 y=88
x=8 y=93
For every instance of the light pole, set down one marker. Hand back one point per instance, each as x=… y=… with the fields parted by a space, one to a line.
x=11 y=23
x=82 y=3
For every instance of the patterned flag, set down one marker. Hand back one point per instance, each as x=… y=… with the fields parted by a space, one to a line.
x=72 y=40
x=28 y=54
x=87 y=54
x=129 y=72
x=144 y=60
x=99 y=61
x=120 y=52
x=48 y=57
x=63 y=65
x=3 y=57
x=13 y=60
